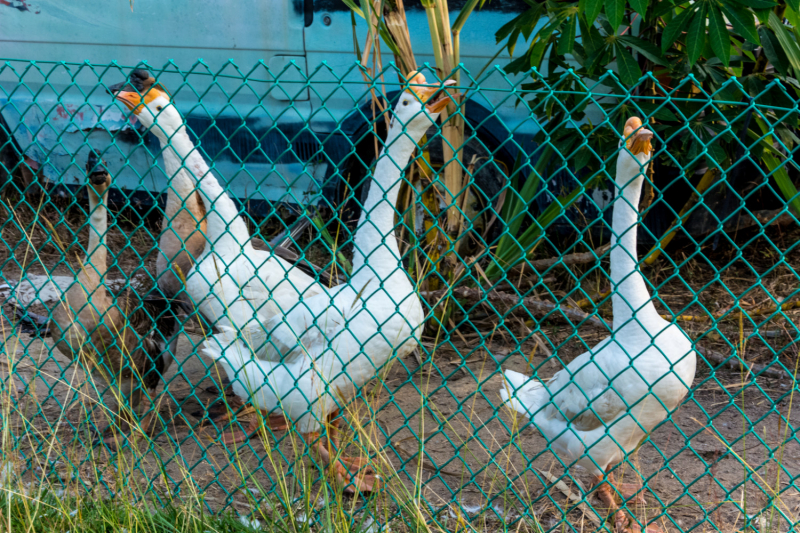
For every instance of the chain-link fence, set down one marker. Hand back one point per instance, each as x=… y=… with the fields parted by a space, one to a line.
x=253 y=302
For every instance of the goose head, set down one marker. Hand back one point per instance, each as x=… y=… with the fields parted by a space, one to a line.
x=150 y=102
x=97 y=176
x=635 y=153
x=420 y=105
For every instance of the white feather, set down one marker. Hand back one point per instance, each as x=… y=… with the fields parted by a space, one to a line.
x=600 y=407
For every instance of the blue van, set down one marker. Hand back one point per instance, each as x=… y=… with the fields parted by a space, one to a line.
x=288 y=141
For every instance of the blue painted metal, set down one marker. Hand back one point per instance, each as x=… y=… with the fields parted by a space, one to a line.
x=169 y=36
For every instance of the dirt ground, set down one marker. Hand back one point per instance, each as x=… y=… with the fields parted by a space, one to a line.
x=437 y=419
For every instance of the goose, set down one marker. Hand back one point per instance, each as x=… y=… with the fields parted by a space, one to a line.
x=231 y=281
x=302 y=364
x=602 y=405
x=183 y=227
x=119 y=338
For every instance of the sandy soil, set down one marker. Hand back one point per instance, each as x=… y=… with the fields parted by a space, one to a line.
x=438 y=423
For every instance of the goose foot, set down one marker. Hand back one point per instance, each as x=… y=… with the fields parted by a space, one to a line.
x=233 y=435
x=352 y=473
x=631 y=492
x=625 y=524
x=223 y=410
x=622 y=522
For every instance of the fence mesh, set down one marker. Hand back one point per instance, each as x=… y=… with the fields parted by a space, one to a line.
x=340 y=273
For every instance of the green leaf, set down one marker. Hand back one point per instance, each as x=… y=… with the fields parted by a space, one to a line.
x=537 y=54
x=646 y=48
x=788 y=44
x=640 y=6
x=531 y=236
x=662 y=9
x=792 y=11
x=582 y=158
x=352 y=5
x=757 y=4
x=592 y=40
x=516 y=212
x=742 y=20
x=781 y=177
x=772 y=48
x=715 y=152
x=506 y=29
x=627 y=67
x=592 y=10
x=675 y=27
x=718 y=35
x=658 y=111
x=762 y=15
x=696 y=36
x=615 y=11
x=566 y=41
x=512 y=42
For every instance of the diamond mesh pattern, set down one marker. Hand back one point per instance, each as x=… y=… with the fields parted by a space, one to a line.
x=522 y=285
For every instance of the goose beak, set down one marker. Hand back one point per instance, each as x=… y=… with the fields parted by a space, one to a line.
x=640 y=143
x=435 y=102
x=132 y=100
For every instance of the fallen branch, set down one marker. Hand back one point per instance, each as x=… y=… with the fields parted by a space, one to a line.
x=723 y=361
x=758 y=311
x=763 y=218
x=577 y=258
x=530 y=303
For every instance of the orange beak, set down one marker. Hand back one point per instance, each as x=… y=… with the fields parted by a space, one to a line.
x=429 y=94
x=640 y=143
x=132 y=100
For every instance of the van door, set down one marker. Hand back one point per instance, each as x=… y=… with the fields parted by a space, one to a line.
x=201 y=50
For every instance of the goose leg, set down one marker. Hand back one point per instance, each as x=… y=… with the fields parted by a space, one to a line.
x=147 y=423
x=354 y=473
x=112 y=438
x=234 y=435
x=631 y=492
x=622 y=522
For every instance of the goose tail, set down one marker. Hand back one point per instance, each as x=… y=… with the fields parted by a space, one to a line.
x=226 y=348
x=523 y=393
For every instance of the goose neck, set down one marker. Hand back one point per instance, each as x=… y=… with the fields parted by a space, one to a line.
x=377 y=254
x=631 y=299
x=225 y=228
x=96 y=263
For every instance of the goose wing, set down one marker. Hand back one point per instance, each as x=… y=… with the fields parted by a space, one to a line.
x=589 y=392
x=308 y=329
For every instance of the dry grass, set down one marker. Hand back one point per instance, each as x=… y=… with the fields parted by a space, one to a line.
x=432 y=425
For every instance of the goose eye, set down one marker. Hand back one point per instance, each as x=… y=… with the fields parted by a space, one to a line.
x=405 y=102
x=159 y=108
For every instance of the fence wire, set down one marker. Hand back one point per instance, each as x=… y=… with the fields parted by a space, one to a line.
x=536 y=313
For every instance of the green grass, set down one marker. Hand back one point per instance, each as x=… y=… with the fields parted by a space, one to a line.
x=49 y=513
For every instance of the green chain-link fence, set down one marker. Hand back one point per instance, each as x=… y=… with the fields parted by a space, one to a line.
x=528 y=264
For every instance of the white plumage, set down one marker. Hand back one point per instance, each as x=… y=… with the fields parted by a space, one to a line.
x=232 y=283
x=601 y=406
x=308 y=359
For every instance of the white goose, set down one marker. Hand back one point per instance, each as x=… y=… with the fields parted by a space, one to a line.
x=329 y=346
x=183 y=228
x=231 y=282
x=600 y=407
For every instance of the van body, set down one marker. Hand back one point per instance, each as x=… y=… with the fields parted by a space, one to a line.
x=283 y=135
